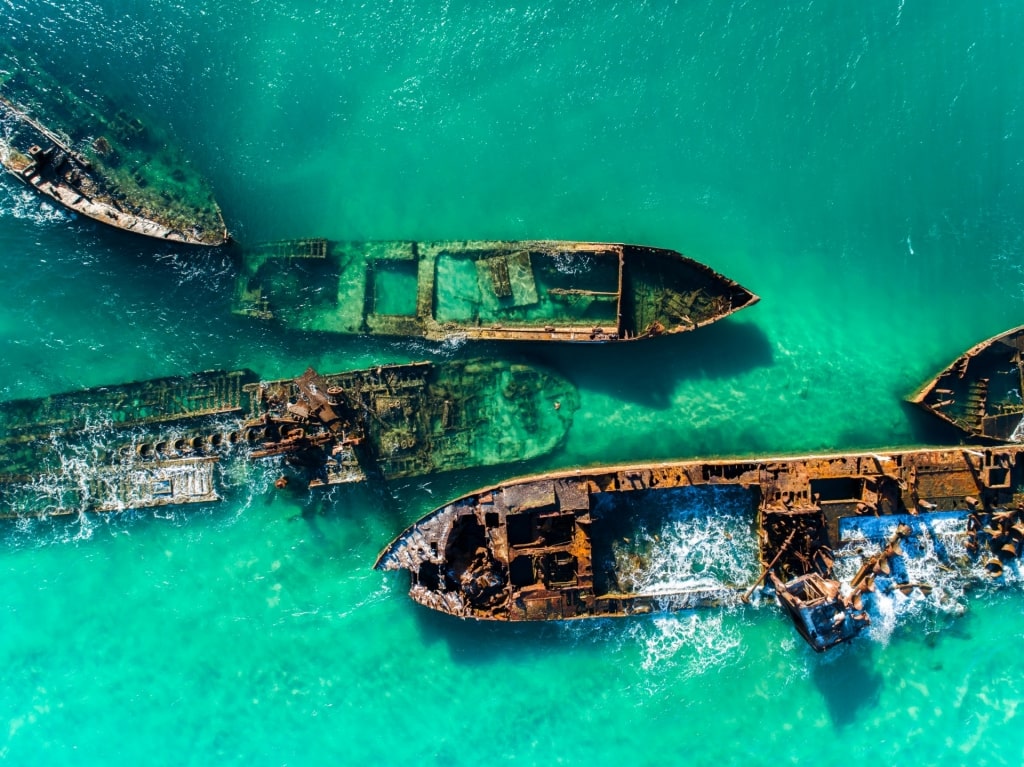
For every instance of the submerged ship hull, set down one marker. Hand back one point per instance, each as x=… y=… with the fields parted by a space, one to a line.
x=494 y=290
x=95 y=160
x=166 y=441
x=980 y=392
x=826 y=529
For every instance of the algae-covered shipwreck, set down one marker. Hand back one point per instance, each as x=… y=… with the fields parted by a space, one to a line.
x=830 y=533
x=168 y=441
x=980 y=392
x=88 y=155
x=497 y=290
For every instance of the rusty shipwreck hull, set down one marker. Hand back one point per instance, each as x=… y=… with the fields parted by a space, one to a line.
x=169 y=441
x=824 y=530
x=540 y=290
x=88 y=155
x=980 y=392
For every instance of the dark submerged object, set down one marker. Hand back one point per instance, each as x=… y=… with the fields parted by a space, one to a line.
x=89 y=156
x=162 y=442
x=827 y=531
x=980 y=392
x=497 y=290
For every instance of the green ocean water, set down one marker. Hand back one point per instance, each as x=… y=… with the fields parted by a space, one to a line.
x=858 y=165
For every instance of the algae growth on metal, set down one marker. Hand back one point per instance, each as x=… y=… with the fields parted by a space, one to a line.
x=980 y=392
x=496 y=290
x=91 y=156
x=826 y=530
x=169 y=440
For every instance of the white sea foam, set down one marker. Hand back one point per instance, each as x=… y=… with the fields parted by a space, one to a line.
x=688 y=553
x=934 y=557
x=21 y=203
x=573 y=263
x=706 y=542
x=204 y=267
x=692 y=642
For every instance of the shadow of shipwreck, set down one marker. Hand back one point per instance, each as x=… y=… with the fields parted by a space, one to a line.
x=849 y=684
x=648 y=372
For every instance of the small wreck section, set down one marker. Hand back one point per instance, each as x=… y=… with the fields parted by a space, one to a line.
x=90 y=156
x=409 y=420
x=166 y=441
x=825 y=534
x=980 y=392
x=496 y=290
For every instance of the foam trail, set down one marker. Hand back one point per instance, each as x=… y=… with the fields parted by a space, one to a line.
x=935 y=561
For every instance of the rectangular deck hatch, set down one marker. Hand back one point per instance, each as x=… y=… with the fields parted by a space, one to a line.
x=508 y=277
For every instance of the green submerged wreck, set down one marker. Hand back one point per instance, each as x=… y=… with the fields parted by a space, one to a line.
x=93 y=158
x=168 y=441
x=540 y=290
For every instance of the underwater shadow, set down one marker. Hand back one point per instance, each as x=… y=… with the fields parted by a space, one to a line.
x=477 y=643
x=849 y=684
x=647 y=372
x=929 y=429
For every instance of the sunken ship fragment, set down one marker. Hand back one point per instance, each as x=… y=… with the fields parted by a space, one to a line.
x=91 y=157
x=171 y=440
x=495 y=290
x=980 y=392
x=829 y=533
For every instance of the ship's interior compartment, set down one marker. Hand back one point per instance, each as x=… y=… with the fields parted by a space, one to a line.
x=469 y=566
x=650 y=301
x=983 y=392
x=394 y=287
x=545 y=552
x=552 y=569
x=292 y=281
x=539 y=529
x=796 y=541
x=570 y=288
x=664 y=539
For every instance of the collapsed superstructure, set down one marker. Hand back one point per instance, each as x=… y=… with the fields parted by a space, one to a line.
x=826 y=531
x=540 y=290
x=161 y=442
x=91 y=157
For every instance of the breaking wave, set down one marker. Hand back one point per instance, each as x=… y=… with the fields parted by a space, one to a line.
x=689 y=552
x=691 y=643
x=931 y=580
x=702 y=538
x=24 y=204
x=85 y=471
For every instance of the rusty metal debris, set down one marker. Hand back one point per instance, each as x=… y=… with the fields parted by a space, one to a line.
x=162 y=442
x=829 y=531
x=91 y=157
x=496 y=290
x=980 y=392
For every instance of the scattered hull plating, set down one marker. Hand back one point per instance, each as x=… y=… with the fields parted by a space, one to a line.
x=980 y=392
x=826 y=531
x=164 y=442
x=90 y=157
x=497 y=290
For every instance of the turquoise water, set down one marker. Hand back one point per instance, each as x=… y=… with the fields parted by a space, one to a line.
x=858 y=165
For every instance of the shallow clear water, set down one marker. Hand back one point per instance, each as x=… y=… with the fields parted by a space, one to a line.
x=859 y=167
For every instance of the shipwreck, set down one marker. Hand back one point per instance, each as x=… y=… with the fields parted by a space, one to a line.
x=826 y=534
x=93 y=158
x=168 y=441
x=980 y=392
x=496 y=290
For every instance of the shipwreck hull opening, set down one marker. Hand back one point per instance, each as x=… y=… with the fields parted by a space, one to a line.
x=527 y=287
x=654 y=301
x=668 y=540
